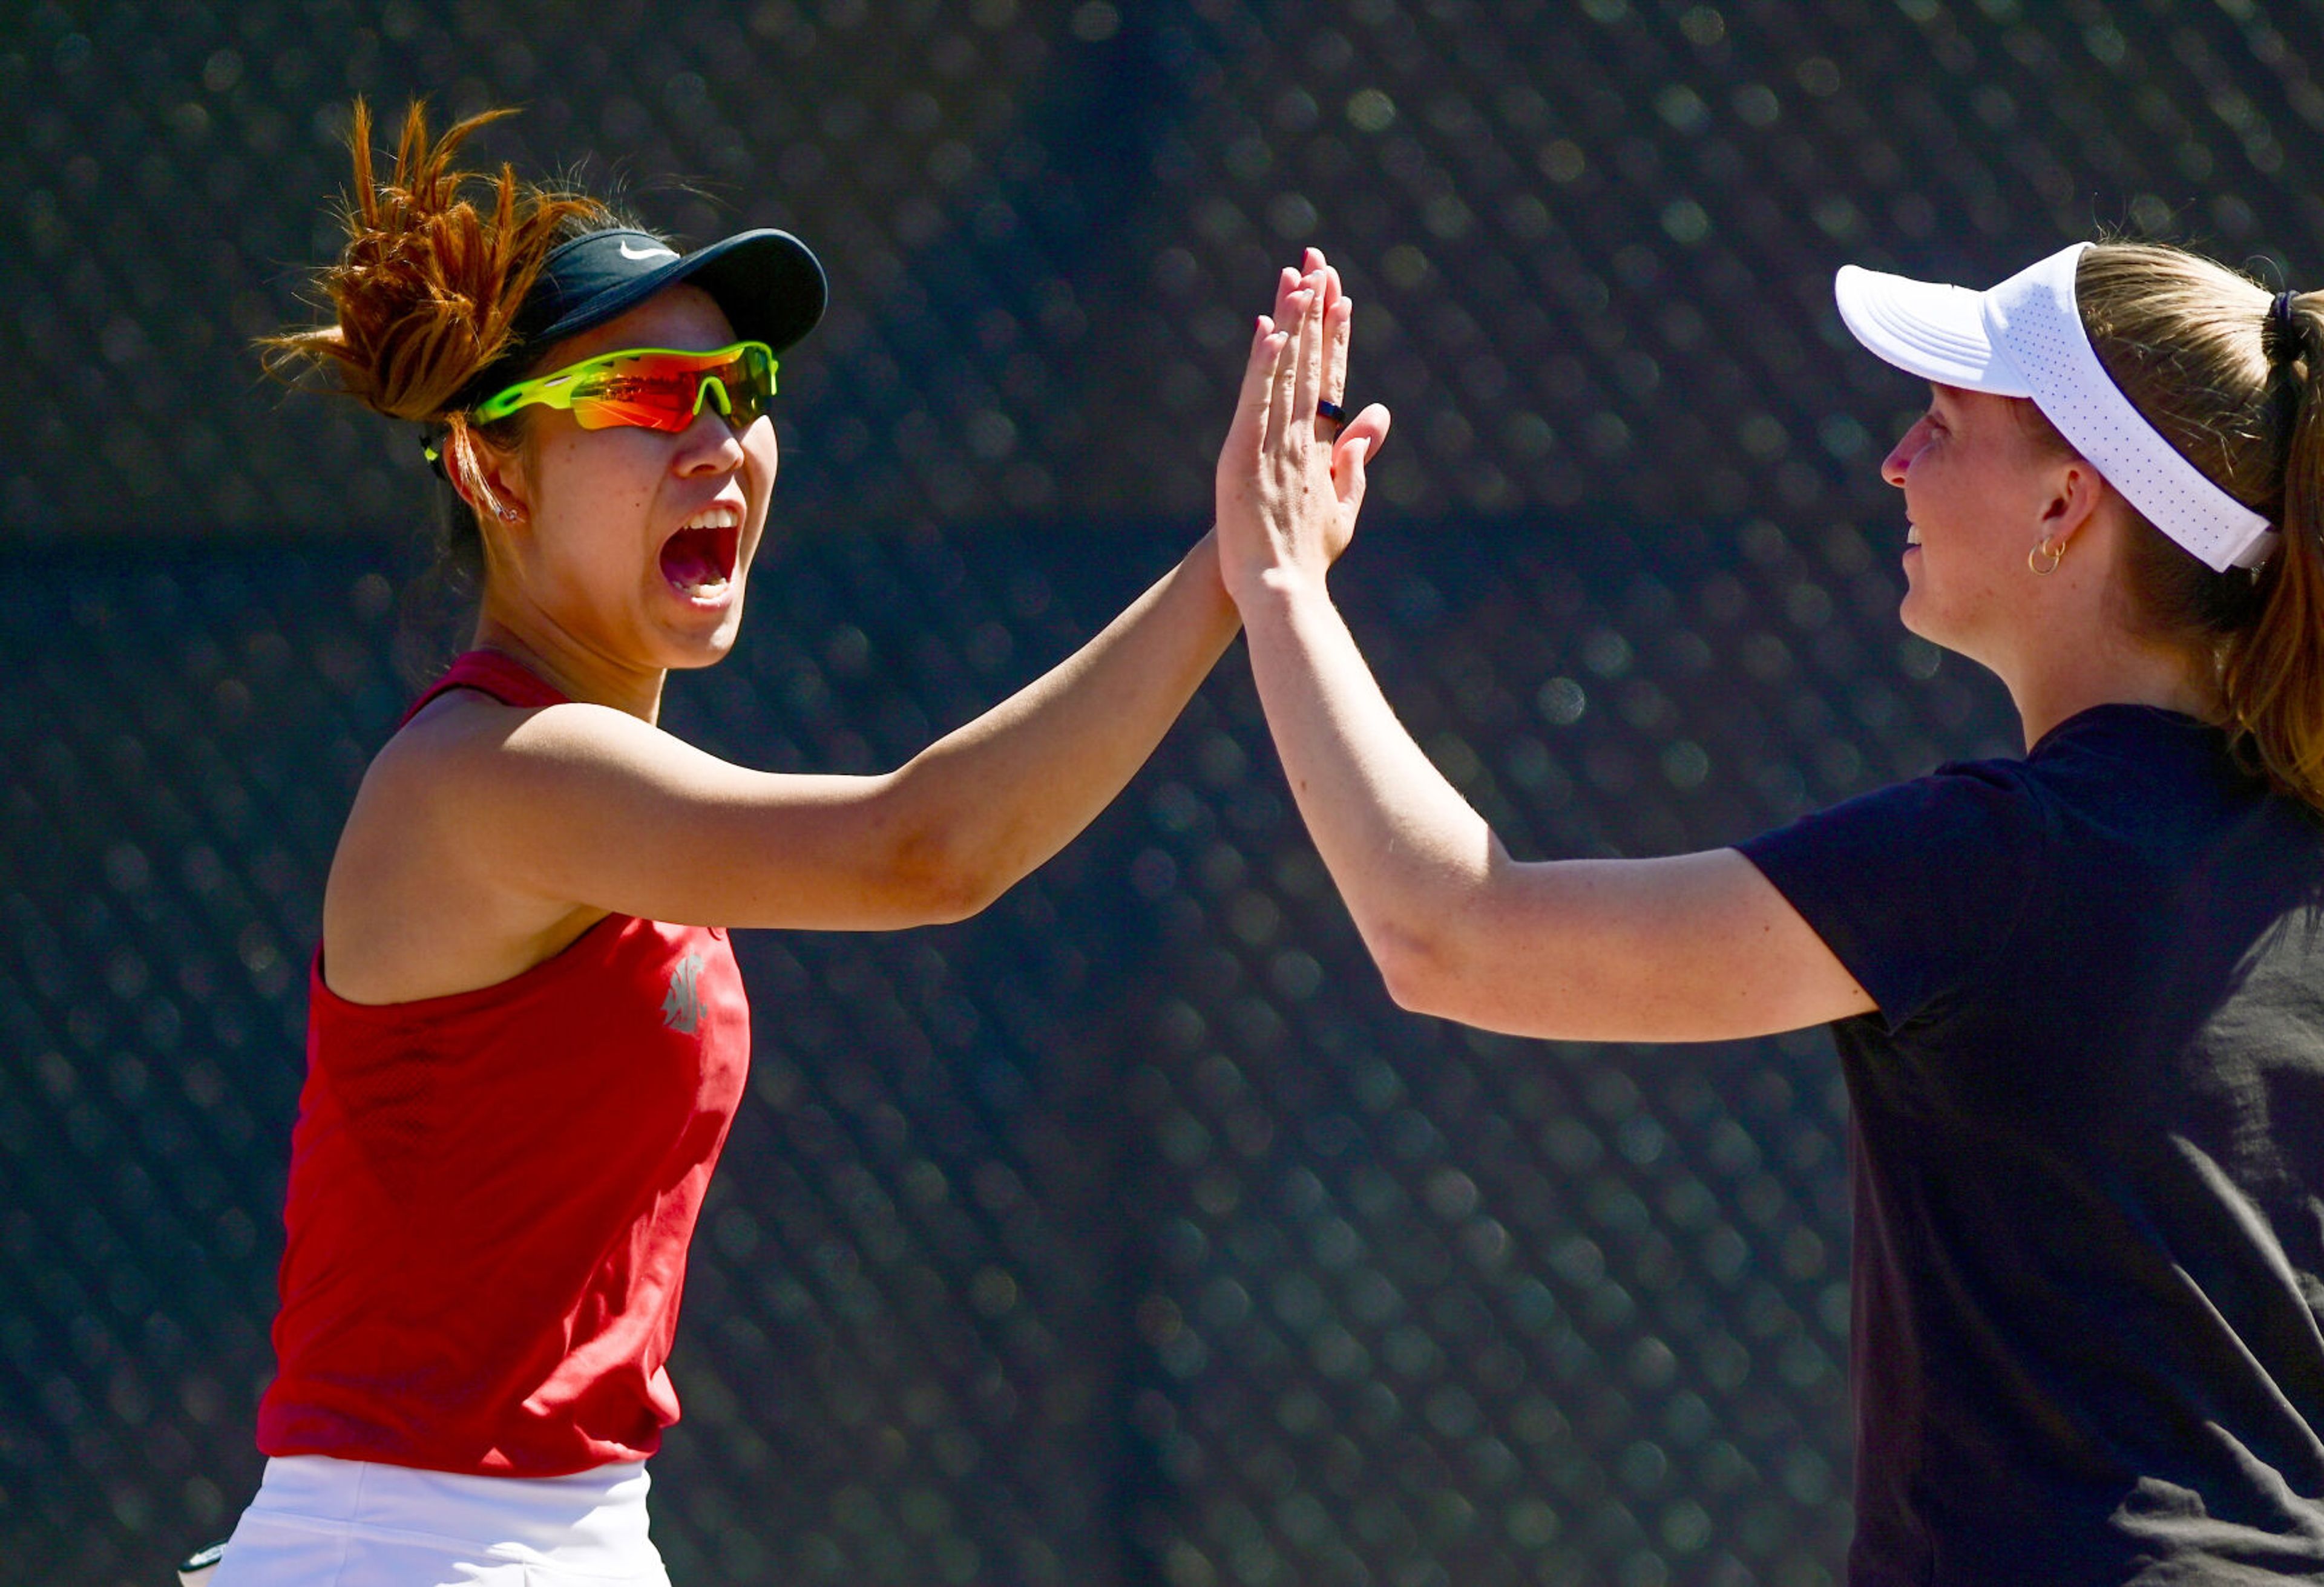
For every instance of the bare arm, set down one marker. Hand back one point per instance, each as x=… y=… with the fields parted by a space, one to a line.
x=486 y=838
x=1697 y=947
x=586 y=805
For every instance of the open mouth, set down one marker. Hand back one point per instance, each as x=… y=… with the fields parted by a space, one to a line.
x=698 y=560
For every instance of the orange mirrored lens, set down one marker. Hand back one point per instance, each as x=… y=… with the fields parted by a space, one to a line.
x=664 y=392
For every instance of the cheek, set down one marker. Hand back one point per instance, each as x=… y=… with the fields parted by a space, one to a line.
x=597 y=480
x=1935 y=492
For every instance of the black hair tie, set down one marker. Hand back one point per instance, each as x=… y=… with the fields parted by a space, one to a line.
x=2284 y=335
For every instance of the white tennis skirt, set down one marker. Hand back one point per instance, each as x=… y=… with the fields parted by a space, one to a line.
x=320 y=1522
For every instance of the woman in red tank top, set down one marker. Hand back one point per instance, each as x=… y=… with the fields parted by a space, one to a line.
x=528 y=1035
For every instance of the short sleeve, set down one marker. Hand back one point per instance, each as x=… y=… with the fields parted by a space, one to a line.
x=1915 y=886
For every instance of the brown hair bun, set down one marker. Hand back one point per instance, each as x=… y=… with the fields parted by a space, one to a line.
x=427 y=288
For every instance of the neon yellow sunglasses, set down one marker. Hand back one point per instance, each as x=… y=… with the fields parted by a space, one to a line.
x=654 y=387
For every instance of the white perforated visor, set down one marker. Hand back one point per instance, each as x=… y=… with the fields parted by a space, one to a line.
x=2025 y=338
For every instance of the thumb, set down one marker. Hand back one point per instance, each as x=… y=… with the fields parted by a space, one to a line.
x=1357 y=446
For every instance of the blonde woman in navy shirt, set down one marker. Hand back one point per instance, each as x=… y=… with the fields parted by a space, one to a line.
x=2078 y=996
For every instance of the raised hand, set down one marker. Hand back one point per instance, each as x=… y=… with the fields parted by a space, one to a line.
x=1290 y=480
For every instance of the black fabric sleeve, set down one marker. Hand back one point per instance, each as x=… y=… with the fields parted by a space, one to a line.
x=1913 y=886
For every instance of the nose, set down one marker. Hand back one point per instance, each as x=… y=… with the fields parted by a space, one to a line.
x=710 y=443
x=1907 y=447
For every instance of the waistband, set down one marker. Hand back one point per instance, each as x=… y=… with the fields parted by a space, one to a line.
x=593 y=1521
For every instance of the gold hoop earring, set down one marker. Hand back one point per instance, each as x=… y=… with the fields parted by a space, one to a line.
x=2056 y=554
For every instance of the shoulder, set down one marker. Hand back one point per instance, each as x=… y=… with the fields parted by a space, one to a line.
x=1921 y=871
x=2152 y=781
x=1961 y=809
x=465 y=744
x=458 y=778
x=440 y=851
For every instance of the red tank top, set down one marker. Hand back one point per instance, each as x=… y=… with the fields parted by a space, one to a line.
x=492 y=1194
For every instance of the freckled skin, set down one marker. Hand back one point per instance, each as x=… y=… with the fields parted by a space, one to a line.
x=1975 y=490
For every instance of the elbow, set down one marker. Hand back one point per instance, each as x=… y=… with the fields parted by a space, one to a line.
x=940 y=891
x=937 y=880
x=1434 y=937
x=923 y=866
x=1416 y=970
x=941 y=859
x=951 y=900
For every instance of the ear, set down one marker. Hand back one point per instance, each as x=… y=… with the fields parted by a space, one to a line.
x=2078 y=495
x=489 y=479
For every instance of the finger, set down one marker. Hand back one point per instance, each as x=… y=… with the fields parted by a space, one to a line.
x=1340 y=332
x=1286 y=282
x=1258 y=369
x=1335 y=335
x=1246 y=431
x=1280 y=407
x=1308 y=378
x=1283 y=399
x=1289 y=284
x=1358 y=443
x=1338 y=327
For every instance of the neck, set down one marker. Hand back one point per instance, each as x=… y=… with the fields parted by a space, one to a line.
x=2120 y=673
x=578 y=672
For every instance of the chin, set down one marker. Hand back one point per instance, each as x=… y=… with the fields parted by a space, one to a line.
x=708 y=651
x=1968 y=641
x=1918 y=612
x=1916 y=622
x=686 y=630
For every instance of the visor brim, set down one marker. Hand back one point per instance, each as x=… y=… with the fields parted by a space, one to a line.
x=769 y=284
x=1926 y=328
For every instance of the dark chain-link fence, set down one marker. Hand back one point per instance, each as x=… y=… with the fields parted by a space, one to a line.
x=1126 y=1233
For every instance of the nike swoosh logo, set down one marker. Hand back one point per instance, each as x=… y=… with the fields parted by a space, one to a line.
x=650 y=251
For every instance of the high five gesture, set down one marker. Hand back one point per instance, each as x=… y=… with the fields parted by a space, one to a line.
x=1291 y=477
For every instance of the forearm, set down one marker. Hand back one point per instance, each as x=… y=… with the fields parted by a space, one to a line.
x=1407 y=852
x=1000 y=794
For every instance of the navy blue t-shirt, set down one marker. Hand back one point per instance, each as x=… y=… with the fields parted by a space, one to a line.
x=2088 y=1148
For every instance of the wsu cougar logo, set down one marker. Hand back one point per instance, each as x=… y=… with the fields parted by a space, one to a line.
x=682 y=1010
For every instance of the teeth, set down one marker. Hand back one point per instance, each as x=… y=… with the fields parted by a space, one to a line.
x=718 y=514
